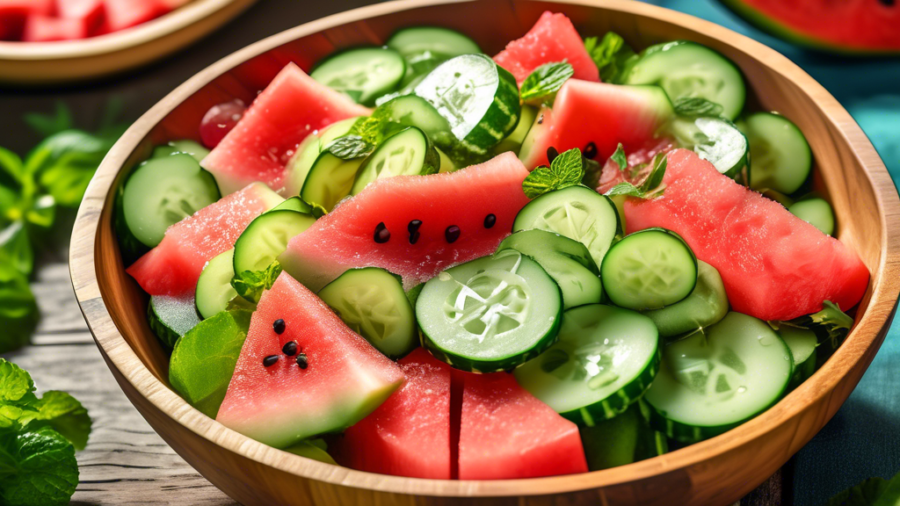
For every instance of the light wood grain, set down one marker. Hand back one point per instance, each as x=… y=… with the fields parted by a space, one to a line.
x=715 y=472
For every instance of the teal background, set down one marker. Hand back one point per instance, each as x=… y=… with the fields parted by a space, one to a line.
x=863 y=439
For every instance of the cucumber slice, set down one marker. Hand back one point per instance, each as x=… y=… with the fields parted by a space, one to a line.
x=649 y=269
x=164 y=191
x=330 y=179
x=568 y=262
x=478 y=98
x=410 y=110
x=685 y=70
x=815 y=211
x=605 y=360
x=576 y=212
x=782 y=160
x=371 y=301
x=490 y=314
x=185 y=146
x=214 y=289
x=719 y=142
x=513 y=142
x=171 y=317
x=625 y=439
x=406 y=153
x=719 y=378
x=314 y=449
x=438 y=42
x=705 y=306
x=364 y=74
x=336 y=129
x=301 y=163
x=447 y=164
x=266 y=237
x=293 y=204
x=802 y=343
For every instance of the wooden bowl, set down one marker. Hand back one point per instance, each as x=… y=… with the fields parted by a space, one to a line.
x=717 y=471
x=44 y=63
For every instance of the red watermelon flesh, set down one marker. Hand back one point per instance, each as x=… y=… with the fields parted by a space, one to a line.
x=260 y=145
x=635 y=173
x=90 y=12
x=122 y=14
x=775 y=266
x=506 y=433
x=345 y=378
x=51 y=29
x=173 y=267
x=551 y=39
x=416 y=417
x=344 y=238
x=604 y=114
x=13 y=14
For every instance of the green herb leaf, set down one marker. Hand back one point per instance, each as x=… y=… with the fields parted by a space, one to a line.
x=15 y=248
x=66 y=162
x=349 y=147
x=12 y=170
x=696 y=106
x=18 y=309
x=610 y=55
x=565 y=171
x=63 y=413
x=830 y=324
x=51 y=124
x=251 y=284
x=42 y=212
x=370 y=128
x=592 y=173
x=871 y=492
x=37 y=468
x=16 y=385
x=619 y=158
x=651 y=187
x=542 y=84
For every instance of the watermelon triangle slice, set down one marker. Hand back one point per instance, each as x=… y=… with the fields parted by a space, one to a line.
x=552 y=39
x=391 y=439
x=506 y=433
x=345 y=378
x=291 y=107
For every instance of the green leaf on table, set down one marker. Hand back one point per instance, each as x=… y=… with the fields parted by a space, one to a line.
x=610 y=54
x=65 y=163
x=12 y=171
x=251 y=284
x=619 y=158
x=695 y=107
x=15 y=248
x=565 y=170
x=64 y=414
x=37 y=468
x=16 y=385
x=51 y=124
x=871 y=492
x=542 y=84
x=18 y=309
x=651 y=187
x=349 y=147
x=42 y=213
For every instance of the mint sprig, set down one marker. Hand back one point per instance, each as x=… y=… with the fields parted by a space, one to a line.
x=693 y=107
x=619 y=158
x=251 y=284
x=542 y=84
x=611 y=54
x=652 y=187
x=349 y=147
x=565 y=170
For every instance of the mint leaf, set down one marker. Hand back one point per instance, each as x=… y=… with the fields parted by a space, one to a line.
x=830 y=324
x=18 y=309
x=565 y=170
x=651 y=187
x=696 y=106
x=619 y=158
x=611 y=54
x=371 y=128
x=65 y=163
x=592 y=173
x=51 y=124
x=542 y=84
x=251 y=284
x=37 y=468
x=15 y=248
x=63 y=413
x=540 y=181
x=16 y=384
x=871 y=492
x=349 y=147
x=12 y=171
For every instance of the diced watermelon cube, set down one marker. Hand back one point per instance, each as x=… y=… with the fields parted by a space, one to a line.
x=14 y=12
x=122 y=14
x=50 y=29
x=89 y=11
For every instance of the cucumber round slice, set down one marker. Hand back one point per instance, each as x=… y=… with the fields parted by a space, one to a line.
x=293 y=204
x=408 y=152
x=802 y=343
x=719 y=378
x=649 y=269
x=705 y=306
x=717 y=141
x=490 y=314
x=410 y=110
x=439 y=42
x=364 y=74
x=576 y=212
x=185 y=146
x=478 y=98
x=371 y=301
x=686 y=70
x=568 y=262
x=214 y=289
x=513 y=142
x=625 y=439
x=170 y=318
x=336 y=129
x=605 y=360
x=164 y=191
x=301 y=163
x=266 y=237
x=330 y=179
x=815 y=211
x=782 y=160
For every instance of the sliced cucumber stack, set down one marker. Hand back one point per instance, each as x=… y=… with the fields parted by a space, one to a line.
x=802 y=343
x=371 y=301
x=625 y=439
x=717 y=141
x=817 y=212
x=490 y=314
x=266 y=237
x=687 y=70
x=187 y=147
x=214 y=289
x=406 y=153
x=164 y=191
x=576 y=212
x=705 y=306
x=568 y=262
x=302 y=162
x=426 y=47
x=364 y=74
x=330 y=179
x=649 y=269
x=719 y=378
x=171 y=317
x=605 y=360
x=410 y=110
x=782 y=160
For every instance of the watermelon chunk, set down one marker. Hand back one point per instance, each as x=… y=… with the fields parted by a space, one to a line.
x=52 y=29
x=391 y=439
x=551 y=39
x=260 y=145
x=122 y=14
x=598 y=113
x=345 y=237
x=90 y=12
x=13 y=14
x=506 y=433
x=173 y=267
x=345 y=378
x=775 y=266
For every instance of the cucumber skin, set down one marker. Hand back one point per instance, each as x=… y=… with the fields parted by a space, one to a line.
x=167 y=337
x=130 y=247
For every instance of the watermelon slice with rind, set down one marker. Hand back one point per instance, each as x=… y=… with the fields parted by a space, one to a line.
x=344 y=380
x=259 y=147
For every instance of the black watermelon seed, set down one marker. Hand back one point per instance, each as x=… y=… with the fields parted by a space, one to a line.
x=452 y=233
x=490 y=220
x=887 y=3
x=278 y=326
x=414 y=226
x=413 y=237
x=552 y=153
x=590 y=151
x=382 y=234
x=540 y=120
x=302 y=361
x=270 y=360
x=290 y=349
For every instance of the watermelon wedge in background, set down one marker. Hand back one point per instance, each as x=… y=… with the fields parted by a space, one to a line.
x=775 y=266
x=551 y=39
x=344 y=380
x=13 y=14
x=260 y=145
x=345 y=238
x=844 y=27
x=416 y=417
x=173 y=267
x=49 y=29
x=630 y=115
x=122 y=14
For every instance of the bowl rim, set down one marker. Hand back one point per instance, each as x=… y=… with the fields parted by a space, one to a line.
x=864 y=340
